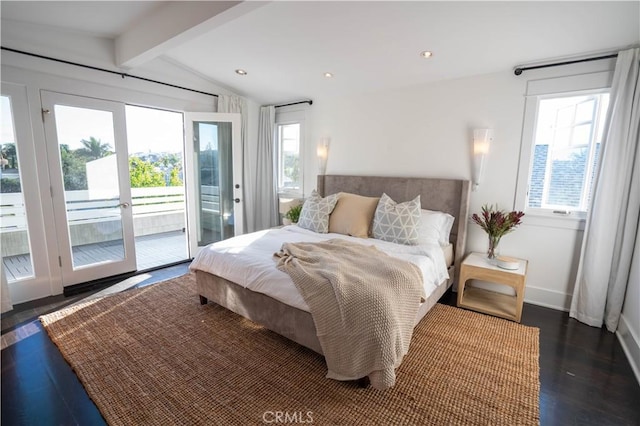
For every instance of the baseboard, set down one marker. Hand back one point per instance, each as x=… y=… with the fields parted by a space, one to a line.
x=630 y=345
x=547 y=298
x=103 y=283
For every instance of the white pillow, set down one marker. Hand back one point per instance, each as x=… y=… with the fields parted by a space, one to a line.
x=397 y=223
x=315 y=212
x=435 y=226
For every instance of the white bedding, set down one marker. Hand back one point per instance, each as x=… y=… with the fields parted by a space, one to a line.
x=247 y=260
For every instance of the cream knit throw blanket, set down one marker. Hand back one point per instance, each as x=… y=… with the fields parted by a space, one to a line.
x=363 y=302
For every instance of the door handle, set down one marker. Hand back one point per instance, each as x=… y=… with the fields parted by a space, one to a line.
x=124 y=205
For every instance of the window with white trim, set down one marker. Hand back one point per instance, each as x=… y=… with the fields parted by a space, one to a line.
x=562 y=136
x=289 y=143
x=289 y=177
x=567 y=141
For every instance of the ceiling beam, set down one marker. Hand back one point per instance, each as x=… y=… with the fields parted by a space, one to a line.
x=174 y=24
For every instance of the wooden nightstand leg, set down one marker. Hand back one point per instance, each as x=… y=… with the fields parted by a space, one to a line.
x=519 y=299
x=461 y=283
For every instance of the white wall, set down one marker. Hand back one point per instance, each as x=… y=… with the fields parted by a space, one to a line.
x=427 y=131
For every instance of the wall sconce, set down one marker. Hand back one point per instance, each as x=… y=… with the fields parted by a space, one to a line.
x=481 y=141
x=323 y=154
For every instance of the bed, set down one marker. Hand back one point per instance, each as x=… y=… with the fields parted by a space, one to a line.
x=290 y=318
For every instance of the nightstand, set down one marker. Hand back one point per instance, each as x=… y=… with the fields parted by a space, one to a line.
x=476 y=266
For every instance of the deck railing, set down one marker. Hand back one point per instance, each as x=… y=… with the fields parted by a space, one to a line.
x=93 y=217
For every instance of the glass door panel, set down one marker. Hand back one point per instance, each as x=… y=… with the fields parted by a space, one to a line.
x=90 y=186
x=88 y=163
x=14 y=231
x=213 y=148
x=205 y=143
x=215 y=200
x=155 y=139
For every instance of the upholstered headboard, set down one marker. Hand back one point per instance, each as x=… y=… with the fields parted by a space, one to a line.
x=445 y=195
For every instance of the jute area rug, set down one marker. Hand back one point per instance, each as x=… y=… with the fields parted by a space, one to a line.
x=156 y=356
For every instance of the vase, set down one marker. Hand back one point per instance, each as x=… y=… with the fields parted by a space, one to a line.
x=492 y=250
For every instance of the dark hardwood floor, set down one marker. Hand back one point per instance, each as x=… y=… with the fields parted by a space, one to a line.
x=584 y=375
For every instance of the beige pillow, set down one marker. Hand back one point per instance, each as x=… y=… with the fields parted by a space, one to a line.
x=353 y=215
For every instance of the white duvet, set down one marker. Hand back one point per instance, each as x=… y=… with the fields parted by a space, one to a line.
x=247 y=260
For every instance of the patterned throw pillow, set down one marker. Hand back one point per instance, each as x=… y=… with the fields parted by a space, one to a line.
x=315 y=212
x=397 y=223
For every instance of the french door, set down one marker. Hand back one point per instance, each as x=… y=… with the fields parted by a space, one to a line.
x=213 y=161
x=24 y=256
x=85 y=230
x=88 y=167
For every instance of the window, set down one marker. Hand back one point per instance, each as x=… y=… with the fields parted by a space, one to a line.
x=289 y=158
x=289 y=147
x=561 y=139
x=567 y=140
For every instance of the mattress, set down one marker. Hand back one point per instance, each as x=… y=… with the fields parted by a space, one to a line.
x=247 y=260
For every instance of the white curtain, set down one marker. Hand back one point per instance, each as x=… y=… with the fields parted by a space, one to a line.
x=236 y=104
x=266 y=206
x=612 y=224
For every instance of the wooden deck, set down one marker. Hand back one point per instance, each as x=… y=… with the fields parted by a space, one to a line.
x=151 y=251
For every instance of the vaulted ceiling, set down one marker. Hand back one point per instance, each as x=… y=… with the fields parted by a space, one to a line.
x=286 y=47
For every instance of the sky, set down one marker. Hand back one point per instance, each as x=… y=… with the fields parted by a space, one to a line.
x=151 y=129
x=6 y=131
x=148 y=129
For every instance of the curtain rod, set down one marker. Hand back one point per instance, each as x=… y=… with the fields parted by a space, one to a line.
x=121 y=74
x=519 y=70
x=309 y=101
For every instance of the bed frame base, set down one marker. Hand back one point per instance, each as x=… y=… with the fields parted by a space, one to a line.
x=292 y=323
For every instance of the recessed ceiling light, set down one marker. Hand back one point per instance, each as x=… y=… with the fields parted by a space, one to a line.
x=241 y=72
x=426 y=54
x=328 y=74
